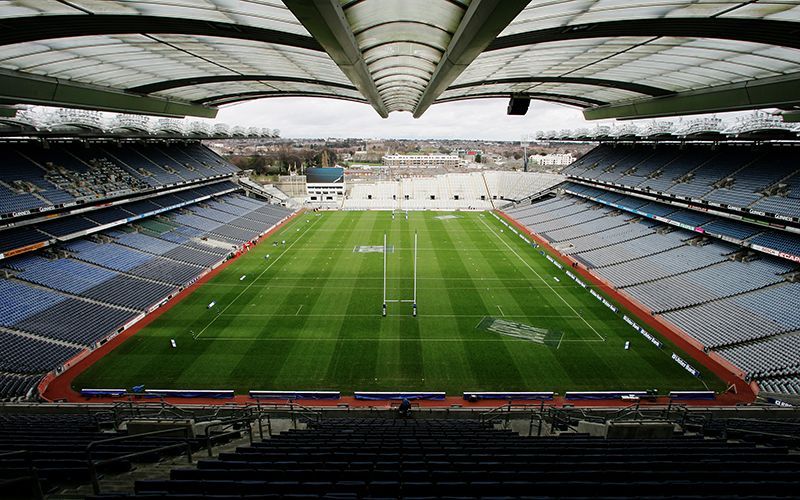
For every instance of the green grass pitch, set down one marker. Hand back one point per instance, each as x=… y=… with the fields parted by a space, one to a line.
x=309 y=318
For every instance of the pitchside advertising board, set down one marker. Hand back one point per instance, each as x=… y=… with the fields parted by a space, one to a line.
x=686 y=366
x=644 y=333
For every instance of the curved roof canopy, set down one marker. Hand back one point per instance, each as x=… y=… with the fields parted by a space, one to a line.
x=614 y=58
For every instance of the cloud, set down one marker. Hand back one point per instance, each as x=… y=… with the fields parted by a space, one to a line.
x=477 y=119
x=311 y=117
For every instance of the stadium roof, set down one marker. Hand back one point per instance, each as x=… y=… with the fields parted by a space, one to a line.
x=614 y=58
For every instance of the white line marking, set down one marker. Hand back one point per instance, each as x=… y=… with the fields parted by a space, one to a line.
x=560 y=340
x=540 y=277
x=298 y=310
x=380 y=339
x=272 y=263
x=501 y=311
x=267 y=315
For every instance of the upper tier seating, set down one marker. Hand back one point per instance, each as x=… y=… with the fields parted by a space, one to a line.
x=33 y=177
x=766 y=179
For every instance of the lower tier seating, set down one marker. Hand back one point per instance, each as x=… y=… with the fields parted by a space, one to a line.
x=60 y=301
x=736 y=301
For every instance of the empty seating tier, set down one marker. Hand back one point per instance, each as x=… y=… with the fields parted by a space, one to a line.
x=366 y=458
x=732 y=300
x=57 y=303
x=762 y=179
x=35 y=178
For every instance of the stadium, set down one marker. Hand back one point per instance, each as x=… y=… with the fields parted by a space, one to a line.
x=625 y=325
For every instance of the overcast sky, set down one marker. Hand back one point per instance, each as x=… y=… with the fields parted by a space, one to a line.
x=476 y=119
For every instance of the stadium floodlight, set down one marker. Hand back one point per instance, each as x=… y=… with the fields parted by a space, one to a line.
x=413 y=300
x=524 y=141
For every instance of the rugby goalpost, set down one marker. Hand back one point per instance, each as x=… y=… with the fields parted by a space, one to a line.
x=412 y=300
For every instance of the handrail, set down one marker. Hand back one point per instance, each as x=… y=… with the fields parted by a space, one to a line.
x=536 y=413
x=741 y=419
x=294 y=409
x=92 y=464
x=249 y=430
x=34 y=475
x=764 y=433
x=305 y=411
x=486 y=415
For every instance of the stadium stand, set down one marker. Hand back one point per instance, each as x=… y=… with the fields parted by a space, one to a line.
x=732 y=300
x=27 y=354
x=381 y=458
x=90 y=281
x=34 y=178
x=56 y=447
x=450 y=191
x=731 y=175
x=98 y=231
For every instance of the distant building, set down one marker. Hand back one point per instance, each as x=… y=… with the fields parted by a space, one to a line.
x=472 y=155
x=422 y=161
x=552 y=160
x=325 y=184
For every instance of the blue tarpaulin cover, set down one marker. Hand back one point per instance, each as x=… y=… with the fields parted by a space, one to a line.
x=387 y=396
x=509 y=395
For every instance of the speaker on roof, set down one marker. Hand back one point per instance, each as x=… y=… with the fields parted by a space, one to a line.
x=518 y=105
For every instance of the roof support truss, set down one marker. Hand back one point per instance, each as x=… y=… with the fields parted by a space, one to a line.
x=201 y=80
x=780 y=33
x=326 y=21
x=23 y=88
x=31 y=29
x=482 y=22
x=776 y=92
x=596 y=82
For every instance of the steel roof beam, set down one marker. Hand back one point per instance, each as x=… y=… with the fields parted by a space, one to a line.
x=36 y=28
x=326 y=22
x=595 y=82
x=777 y=92
x=24 y=88
x=220 y=100
x=202 y=80
x=570 y=100
x=482 y=22
x=780 y=33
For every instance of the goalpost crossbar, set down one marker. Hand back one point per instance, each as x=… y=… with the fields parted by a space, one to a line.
x=412 y=300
